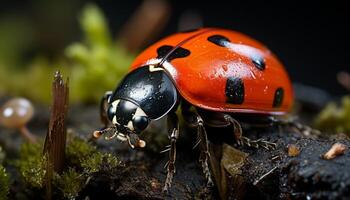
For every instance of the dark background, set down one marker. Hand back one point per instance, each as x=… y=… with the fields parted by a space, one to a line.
x=309 y=38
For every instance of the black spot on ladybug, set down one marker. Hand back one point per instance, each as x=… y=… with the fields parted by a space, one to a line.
x=190 y=30
x=219 y=40
x=179 y=53
x=259 y=62
x=169 y=53
x=278 y=99
x=164 y=50
x=234 y=90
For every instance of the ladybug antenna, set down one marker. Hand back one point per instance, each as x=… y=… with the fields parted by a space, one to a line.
x=131 y=145
x=180 y=44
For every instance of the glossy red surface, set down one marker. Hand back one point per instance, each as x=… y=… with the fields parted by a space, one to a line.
x=201 y=77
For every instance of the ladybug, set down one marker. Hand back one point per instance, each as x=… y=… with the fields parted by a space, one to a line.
x=218 y=77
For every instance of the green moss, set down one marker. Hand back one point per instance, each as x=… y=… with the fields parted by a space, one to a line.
x=92 y=163
x=70 y=183
x=77 y=150
x=100 y=162
x=335 y=118
x=32 y=164
x=4 y=183
x=83 y=155
x=82 y=160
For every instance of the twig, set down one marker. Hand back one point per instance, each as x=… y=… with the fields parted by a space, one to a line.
x=263 y=176
x=55 y=141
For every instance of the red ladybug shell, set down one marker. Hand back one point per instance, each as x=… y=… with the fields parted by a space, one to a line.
x=223 y=70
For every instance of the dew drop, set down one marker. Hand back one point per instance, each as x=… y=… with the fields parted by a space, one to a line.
x=16 y=112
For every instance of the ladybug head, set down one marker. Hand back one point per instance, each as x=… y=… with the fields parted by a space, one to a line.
x=143 y=95
x=127 y=116
x=128 y=120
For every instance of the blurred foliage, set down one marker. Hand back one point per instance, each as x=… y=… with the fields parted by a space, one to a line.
x=335 y=118
x=82 y=161
x=98 y=63
x=93 y=65
x=4 y=183
x=16 y=35
x=33 y=82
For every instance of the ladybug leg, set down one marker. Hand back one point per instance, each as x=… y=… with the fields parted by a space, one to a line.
x=103 y=108
x=204 y=155
x=237 y=128
x=195 y=120
x=242 y=140
x=173 y=131
x=299 y=127
x=258 y=143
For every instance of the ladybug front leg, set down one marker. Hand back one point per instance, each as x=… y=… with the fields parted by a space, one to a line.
x=242 y=140
x=103 y=108
x=195 y=120
x=173 y=131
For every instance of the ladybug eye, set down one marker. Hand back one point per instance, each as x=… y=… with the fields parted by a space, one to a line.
x=111 y=112
x=140 y=122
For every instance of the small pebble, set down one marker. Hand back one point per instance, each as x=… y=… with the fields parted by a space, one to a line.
x=16 y=113
x=155 y=185
x=336 y=150
x=293 y=150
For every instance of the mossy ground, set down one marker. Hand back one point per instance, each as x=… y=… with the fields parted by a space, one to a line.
x=82 y=160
